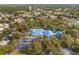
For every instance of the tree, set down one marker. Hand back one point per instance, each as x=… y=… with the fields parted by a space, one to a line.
x=66 y=41
x=1 y=35
x=6 y=31
x=29 y=50
x=5 y=49
x=71 y=31
x=75 y=47
x=10 y=18
x=16 y=35
x=37 y=47
x=55 y=45
x=51 y=45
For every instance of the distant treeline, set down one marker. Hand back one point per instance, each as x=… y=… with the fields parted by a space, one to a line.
x=43 y=5
x=9 y=8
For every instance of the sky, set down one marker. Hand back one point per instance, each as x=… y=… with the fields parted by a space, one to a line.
x=39 y=1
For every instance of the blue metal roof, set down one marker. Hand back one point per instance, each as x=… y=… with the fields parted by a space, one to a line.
x=58 y=33
x=37 y=32
x=48 y=33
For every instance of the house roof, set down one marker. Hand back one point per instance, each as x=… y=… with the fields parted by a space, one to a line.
x=47 y=33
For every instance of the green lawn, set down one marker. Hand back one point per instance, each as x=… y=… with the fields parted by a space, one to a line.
x=28 y=37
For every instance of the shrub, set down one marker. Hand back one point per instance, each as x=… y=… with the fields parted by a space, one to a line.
x=66 y=41
x=75 y=46
x=16 y=35
x=37 y=48
x=55 y=45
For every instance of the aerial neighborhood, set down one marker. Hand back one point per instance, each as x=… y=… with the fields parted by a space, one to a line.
x=40 y=30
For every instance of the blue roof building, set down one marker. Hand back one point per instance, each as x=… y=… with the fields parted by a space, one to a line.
x=37 y=32
x=48 y=33
x=58 y=34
